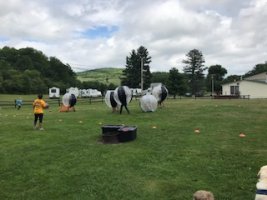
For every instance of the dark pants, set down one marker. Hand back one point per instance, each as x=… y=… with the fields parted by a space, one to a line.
x=38 y=116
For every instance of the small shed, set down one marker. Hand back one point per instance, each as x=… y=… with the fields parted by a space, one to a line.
x=54 y=92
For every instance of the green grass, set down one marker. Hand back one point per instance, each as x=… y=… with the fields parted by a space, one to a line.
x=12 y=97
x=67 y=161
x=103 y=75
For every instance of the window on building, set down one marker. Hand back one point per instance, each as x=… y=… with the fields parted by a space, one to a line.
x=234 y=89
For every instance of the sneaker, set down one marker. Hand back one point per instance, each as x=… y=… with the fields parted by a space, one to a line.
x=41 y=129
x=35 y=128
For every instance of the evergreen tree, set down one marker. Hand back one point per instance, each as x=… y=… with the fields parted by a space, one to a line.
x=194 y=69
x=132 y=72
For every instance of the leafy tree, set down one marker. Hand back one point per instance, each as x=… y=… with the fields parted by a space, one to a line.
x=259 y=68
x=12 y=81
x=28 y=70
x=231 y=78
x=194 y=69
x=33 y=82
x=176 y=82
x=215 y=77
x=39 y=61
x=58 y=69
x=4 y=68
x=1 y=83
x=132 y=72
x=111 y=86
x=9 y=55
x=160 y=77
x=23 y=63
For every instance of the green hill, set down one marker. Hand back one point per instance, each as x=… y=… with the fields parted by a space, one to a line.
x=29 y=71
x=102 y=75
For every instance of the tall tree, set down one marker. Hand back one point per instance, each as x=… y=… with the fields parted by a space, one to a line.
x=194 y=69
x=176 y=82
x=215 y=77
x=259 y=68
x=132 y=72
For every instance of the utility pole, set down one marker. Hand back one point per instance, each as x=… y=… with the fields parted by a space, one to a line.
x=142 y=80
x=212 y=84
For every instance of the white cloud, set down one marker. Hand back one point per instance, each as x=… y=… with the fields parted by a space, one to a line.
x=229 y=33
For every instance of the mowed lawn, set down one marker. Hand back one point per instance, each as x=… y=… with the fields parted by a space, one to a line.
x=168 y=160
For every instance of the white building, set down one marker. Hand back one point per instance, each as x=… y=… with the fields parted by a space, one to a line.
x=254 y=86
x=54 y=92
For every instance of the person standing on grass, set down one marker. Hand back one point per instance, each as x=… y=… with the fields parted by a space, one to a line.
x=38 y=109
x=18 y=103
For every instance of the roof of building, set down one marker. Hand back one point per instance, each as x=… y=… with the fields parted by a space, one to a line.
x=257 y=78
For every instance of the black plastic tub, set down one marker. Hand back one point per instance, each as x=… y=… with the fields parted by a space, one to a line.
x=127 y=133
x=109 y=129
x=110 y=138
x=118 y=133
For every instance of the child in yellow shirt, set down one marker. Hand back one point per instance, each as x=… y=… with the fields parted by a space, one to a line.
x=38 y=110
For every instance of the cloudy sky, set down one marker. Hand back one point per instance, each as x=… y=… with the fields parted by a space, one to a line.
x=89 y=34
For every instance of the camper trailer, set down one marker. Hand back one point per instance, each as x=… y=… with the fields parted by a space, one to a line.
x=73 y=90
x=94 y=93
x=54 y=93
x=89 y=93
x=83 y=93
x=136 y=91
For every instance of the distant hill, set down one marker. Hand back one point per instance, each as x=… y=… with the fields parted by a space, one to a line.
x=29 y=71
x=102 y=75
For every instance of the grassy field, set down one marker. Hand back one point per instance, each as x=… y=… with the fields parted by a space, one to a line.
x=103 y=75
x=168 y=160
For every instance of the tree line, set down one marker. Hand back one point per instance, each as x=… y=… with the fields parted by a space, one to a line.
x=29 y=71
x=192 y=81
